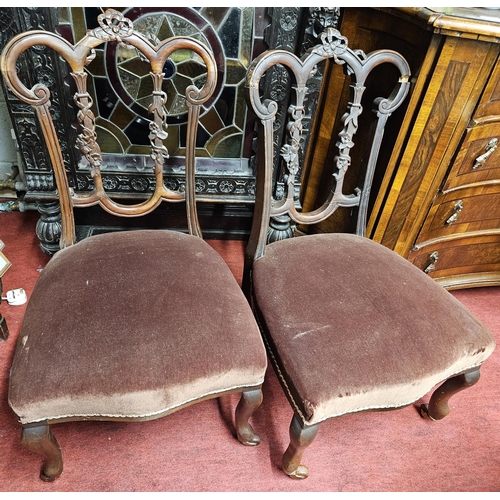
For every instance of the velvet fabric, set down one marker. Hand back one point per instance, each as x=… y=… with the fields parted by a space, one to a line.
x=353 y=326
x=133 y=324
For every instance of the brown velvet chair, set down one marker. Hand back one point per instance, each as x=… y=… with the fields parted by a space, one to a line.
x=350 y=325
x=128 y=325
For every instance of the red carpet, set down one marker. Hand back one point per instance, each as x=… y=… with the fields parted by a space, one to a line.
x=194 y=449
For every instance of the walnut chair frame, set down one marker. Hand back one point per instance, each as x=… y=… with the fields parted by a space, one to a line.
x=321 y=365
x=37 y=434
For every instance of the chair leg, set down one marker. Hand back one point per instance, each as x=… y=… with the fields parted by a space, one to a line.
x=438 y=405
x=300 y=439
x=40 y=439
x=4 y=331
x=249 y=402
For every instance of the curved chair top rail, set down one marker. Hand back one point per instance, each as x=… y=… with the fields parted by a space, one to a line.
x=113 y=27
x=359 y=66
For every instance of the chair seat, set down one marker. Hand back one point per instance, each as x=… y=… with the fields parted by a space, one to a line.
x=173 y=340
x=354 y=326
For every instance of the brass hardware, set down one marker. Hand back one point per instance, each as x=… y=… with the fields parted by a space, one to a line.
x=490 y=148
x=433 y=257
x=458 y=207
x=8 y=185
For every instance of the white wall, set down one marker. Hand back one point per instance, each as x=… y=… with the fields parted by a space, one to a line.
x=8 y=154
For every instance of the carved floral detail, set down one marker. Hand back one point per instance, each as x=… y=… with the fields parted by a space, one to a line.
x=333 y=45
x=321 y=18
x=87 y=139
x=30 y=145
x=140 y=184
x=345 y=138
x=226 y=186
x=158 y=126
x=200 y=185
x=115 y=26
x=109 y=183
x=290 y=152
x=280 y=83
x=289 y=19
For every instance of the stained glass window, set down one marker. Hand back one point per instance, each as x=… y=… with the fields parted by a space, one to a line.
x=121 y=84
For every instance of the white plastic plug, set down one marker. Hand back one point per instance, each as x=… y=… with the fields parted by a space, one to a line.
x=16 y=297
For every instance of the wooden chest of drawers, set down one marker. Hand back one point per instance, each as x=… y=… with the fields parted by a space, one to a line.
x=459 y=243
x=439 y=203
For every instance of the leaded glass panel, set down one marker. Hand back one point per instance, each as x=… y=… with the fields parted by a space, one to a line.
x=121 y=84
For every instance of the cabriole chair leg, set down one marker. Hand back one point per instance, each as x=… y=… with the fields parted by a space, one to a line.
x=249 y=402
x=300 y=439
x=438 y=408
x=40 y=439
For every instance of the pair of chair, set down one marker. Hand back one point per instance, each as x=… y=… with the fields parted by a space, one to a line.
x=157 y=320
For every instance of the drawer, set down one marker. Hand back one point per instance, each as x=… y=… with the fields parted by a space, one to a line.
x=462 y=211
x=478 y=159
x=461 y=262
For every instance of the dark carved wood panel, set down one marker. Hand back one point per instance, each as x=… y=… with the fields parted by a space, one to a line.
x=40 y=64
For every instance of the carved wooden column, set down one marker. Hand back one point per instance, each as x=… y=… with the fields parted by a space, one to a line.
x=48 y=227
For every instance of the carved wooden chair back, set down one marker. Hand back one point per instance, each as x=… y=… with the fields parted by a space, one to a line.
x=113 y=28
x=359 y=66
x=349 y=325
x=127 y=325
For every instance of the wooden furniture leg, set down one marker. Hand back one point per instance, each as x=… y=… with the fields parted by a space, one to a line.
x=300 y=439
x=249 y=402
x=40 y=439
x=4 y=331
x=438 y=408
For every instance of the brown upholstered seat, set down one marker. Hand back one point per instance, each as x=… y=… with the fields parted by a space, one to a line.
x=359 y=327
x=129 y=325
x=349 y=324
x=121 y=337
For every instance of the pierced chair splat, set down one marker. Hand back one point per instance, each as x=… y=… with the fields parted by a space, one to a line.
x=349 y=324
x=128 y=325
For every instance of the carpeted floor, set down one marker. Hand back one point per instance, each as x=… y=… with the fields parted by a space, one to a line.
x=195 y=450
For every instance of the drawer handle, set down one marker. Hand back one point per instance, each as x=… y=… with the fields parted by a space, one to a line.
x=459 y=205
x=433 y=257
x=490 y=148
